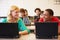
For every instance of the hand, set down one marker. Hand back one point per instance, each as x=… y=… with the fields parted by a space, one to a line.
x=23 y=32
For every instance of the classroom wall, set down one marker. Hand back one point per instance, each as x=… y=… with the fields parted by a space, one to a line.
x=44 y=4
x=30 y=5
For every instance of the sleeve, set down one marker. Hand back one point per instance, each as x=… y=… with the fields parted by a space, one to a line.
x=58 y=23
x=4 y=20
x=41 y=20
x=57 y=20
x=22 y=26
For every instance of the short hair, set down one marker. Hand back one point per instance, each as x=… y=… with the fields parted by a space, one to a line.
x=50 y=11
x=26 y=10
x=37 y=9
x=42 y=11
x=22 y=10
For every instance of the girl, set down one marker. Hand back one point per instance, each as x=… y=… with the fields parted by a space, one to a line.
x=13 y=17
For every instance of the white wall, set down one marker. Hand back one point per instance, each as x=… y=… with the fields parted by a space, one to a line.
x=44 y=4
x=30 y=5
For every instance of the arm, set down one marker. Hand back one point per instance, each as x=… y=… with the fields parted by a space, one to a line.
x=23 y=28
x=57 y=20
x=23 y=32
x=59 y=28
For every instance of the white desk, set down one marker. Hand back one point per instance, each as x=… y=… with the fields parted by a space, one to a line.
x=31 y=27
x=30 y=36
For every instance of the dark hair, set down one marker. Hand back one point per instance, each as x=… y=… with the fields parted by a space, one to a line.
x=50 y=11
x=26 y=10
x=37 y=9
x=42 y=11
x=22 y=10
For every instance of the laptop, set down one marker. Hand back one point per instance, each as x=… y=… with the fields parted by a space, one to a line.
x=46 y=30
x=9 y=30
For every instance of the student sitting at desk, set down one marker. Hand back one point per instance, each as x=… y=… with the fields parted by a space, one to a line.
x=48 y=17
x=25 y=17
x=13 y=17
x=37 y=16
x=26 y=12
x=41 y=15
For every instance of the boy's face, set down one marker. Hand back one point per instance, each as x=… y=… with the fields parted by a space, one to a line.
x=46 y=15
x=37 y=12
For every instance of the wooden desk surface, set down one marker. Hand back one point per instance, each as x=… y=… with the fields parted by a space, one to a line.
x=30 y=36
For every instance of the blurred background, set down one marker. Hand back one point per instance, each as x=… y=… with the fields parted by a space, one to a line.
x=30 y=5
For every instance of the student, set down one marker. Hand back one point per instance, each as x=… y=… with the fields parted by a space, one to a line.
x=13 y=17
x=41 y=15
x=26 y=12
x=37 y=16
x=48 y=17
x=25 y=17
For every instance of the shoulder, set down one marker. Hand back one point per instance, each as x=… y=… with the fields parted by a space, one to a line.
x=55 y=18
x=4 y=20
x=20 y=19
x=26 y=17
x=41 y=20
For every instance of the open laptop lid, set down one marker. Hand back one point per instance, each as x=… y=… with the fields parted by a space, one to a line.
x=9 y=30
x=46 y=30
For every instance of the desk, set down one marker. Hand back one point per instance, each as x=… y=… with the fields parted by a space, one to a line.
x=30 y=36
x=31 y=27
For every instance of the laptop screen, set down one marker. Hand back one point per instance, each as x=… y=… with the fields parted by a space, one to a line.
x=9 y=30
x=46 y=30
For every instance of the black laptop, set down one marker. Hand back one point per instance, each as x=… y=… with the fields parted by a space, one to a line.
x=9 y=30
x=46 y=30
